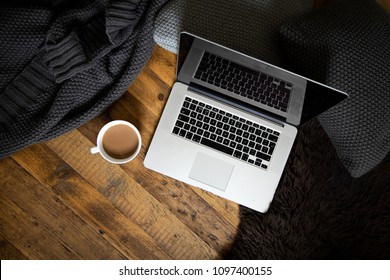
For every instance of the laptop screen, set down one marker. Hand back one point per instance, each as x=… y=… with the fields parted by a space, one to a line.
x=265 y=88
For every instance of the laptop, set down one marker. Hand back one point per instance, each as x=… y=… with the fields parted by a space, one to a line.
x=231 y=120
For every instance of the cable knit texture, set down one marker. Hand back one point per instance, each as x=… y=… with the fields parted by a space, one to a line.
x=61 y=64
x=347 y=45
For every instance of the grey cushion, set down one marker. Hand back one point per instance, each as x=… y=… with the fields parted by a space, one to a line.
x=347 y=46
x=247 y=25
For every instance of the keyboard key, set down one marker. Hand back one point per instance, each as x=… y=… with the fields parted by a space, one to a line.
x=185 y=111
x=263 y=156
x=226 y=132
x=273 y=138
x=237 y=154
x=179 y=124
x=189 y=135
x=196 y=138
x=182 y=132
x=217 y=146
x=176 y=130
x=183 y=118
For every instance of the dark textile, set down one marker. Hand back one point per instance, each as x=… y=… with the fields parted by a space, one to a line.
x=319 y=211
x=347 y=45
x=62 y=63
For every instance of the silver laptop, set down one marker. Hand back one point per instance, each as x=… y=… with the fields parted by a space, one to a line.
x=230 y=122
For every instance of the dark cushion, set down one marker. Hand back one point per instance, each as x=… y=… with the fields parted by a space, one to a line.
x=346 y=45
x=247 y=26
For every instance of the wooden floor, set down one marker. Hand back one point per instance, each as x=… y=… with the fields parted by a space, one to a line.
x=57 y=201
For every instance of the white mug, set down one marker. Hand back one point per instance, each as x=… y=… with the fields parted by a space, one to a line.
x=100 y=148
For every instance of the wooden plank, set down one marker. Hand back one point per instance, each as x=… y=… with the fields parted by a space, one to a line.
x=141 y=98
x=215 y=224
x=190 y=206
x=90 y=204
x=143 y=105
x=163 y=63
x=24 y=231
x=151 y=90
x=55 y=215
x=28 y=235
x=126 y=195
x=8 y=251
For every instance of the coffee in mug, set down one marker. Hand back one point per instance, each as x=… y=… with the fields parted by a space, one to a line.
x=118 y=142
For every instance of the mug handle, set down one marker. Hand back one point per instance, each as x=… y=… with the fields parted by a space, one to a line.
x=94 y=150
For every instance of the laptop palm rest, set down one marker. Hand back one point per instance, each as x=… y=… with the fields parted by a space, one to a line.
x=211 y=171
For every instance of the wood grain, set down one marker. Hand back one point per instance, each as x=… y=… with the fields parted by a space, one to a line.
x=57 y=201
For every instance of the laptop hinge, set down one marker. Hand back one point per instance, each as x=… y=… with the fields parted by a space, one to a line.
x=237 y=104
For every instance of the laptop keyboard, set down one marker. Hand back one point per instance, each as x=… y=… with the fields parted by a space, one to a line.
x=244 y=81
x=228 y=133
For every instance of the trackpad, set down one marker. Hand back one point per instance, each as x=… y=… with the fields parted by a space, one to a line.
x=211 y=171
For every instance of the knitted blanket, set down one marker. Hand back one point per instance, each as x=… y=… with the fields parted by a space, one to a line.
x=62 y=63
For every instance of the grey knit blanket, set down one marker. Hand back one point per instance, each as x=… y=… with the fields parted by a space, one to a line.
x=62 y=63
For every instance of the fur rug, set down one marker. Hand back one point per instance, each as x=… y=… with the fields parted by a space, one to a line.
x=319 y=211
